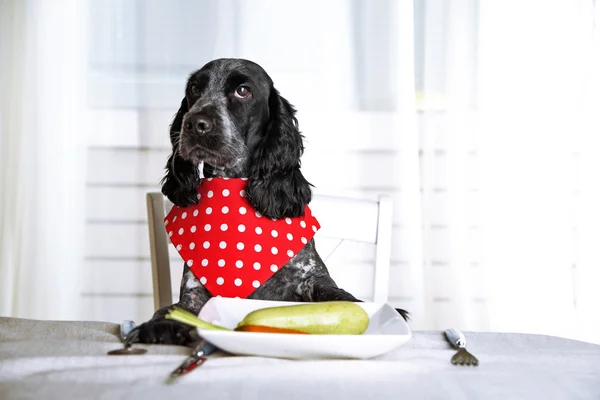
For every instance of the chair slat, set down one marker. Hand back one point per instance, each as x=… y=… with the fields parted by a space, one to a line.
x=345 y=218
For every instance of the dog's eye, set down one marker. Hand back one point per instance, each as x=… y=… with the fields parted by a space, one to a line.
x=194 y=90
x=242 y=92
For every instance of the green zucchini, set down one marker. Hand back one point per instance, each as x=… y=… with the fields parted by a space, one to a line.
x=186 y=317
x=325 y=318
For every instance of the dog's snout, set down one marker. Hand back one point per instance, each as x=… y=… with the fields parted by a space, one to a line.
x=199 y=124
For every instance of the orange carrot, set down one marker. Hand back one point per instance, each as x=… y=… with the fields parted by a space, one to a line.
x=266 y=329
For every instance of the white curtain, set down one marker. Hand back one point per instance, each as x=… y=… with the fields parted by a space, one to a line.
x=43 y=157
x=445 y=80
x=510 y=115
x=539 y=110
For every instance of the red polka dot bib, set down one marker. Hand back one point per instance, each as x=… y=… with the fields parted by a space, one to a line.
x=228 y=245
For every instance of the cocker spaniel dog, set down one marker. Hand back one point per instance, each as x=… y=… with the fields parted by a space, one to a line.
x=235 y=124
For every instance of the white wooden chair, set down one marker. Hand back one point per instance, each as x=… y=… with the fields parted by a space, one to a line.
x=371 y=222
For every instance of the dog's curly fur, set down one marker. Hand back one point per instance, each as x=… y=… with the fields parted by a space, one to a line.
x=235 y=123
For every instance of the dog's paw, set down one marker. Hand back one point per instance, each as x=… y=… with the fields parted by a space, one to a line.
x=163 y=331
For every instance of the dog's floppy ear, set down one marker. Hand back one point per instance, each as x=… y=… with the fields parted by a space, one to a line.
x=276 y=187
x=182 y=178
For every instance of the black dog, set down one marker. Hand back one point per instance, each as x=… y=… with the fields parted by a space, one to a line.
x=234 y=121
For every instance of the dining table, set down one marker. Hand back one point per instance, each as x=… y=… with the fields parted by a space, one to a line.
x=41 y=359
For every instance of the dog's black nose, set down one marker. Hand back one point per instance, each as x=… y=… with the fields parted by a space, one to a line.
x=198 y=123
x=203 y=125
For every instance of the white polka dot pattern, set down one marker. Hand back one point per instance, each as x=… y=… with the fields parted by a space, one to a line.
x=230 y=246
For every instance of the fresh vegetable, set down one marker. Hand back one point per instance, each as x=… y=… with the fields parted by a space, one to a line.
x=266 y=329
x=333 y=317
x=186 y=317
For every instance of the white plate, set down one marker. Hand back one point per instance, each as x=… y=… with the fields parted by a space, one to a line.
x=387 y=331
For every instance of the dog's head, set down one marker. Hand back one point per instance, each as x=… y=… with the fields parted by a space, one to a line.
x=234 y=121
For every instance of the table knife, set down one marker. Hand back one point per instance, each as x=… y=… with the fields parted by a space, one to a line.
x=197 y=358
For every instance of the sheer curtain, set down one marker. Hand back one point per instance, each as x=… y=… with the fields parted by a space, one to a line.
x=446 y=84
x=43 y=152
x=539 y=106
x=509 y=110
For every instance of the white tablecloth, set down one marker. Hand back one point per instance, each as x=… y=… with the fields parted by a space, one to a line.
x=67 y=360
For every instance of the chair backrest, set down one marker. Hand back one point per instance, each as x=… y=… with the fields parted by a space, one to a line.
x=341 y=219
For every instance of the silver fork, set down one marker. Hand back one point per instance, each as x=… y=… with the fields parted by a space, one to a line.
x=458 y=340
x=126 y=327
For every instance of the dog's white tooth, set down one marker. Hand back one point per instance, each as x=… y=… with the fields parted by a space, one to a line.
x=191 y=281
